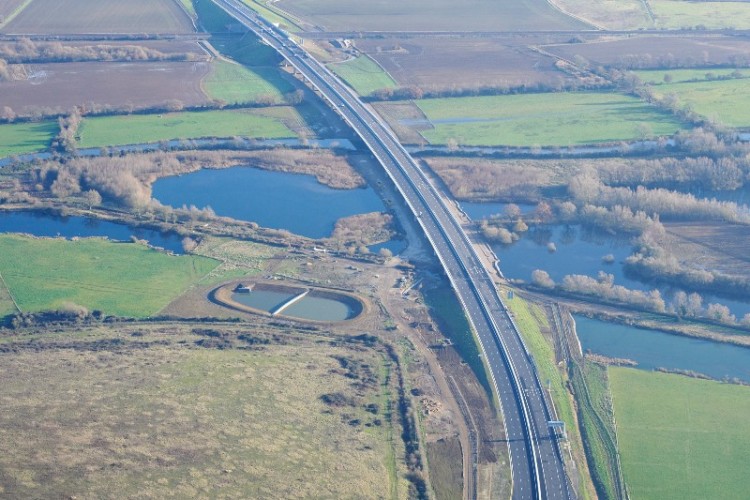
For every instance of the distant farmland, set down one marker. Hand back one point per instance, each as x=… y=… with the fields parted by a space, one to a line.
x=553 y=119
x=461 y=63
x=658 y=52
x=60 y=86
x=426 y=15
x=101 y=16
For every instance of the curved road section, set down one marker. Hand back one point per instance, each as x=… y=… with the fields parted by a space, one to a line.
x=536 y=465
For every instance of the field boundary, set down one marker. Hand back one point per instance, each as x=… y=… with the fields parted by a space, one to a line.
x=5 y=285
x=15 y=13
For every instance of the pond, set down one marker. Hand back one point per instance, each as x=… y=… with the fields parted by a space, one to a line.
x=45 y=224
x=315 y=305
x=653 y=349
x=278 y=200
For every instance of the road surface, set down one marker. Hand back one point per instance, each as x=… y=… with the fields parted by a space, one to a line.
x=536 y=465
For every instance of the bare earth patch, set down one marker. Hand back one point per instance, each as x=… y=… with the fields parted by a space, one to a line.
x=461 y=63
x=59 y=87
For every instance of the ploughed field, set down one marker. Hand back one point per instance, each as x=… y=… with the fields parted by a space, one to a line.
x=101 y=16
x=658 y=51
x=431 y=15
x=456 y=63
x=58 y=87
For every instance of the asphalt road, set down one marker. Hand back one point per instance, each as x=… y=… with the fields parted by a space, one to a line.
x=536 y=463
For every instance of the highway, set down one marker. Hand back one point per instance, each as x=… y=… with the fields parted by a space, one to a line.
x=536 y=464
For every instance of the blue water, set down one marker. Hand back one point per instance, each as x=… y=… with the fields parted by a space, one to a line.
x=653 y=349
x=298 y=203
x=45 y=224
x=580 y=251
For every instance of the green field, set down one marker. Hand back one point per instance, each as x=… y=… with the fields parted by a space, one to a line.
x=609 y=14
x=681 y=438
x=656 y=77
x=710 y=15
x=19 y=138
x=157 y=411
x=363 y=75
x=563 y=119
x=234 y=83
x=138 y=129
x=727 y=101
x=117 y=278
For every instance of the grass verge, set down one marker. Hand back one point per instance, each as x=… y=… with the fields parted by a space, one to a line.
x=680 y=437
x=122 y=279
x=558 y=119
x=138 y=129
x=531 y=320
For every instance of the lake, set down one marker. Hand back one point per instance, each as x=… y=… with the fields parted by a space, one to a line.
x=277 y=200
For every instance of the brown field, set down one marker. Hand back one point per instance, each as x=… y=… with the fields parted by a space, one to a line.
x=62 y=86
x=102 y=16
x=446 y=63
x=686 y=51
x=717 y=247
x=7 y=7
x=431 y=15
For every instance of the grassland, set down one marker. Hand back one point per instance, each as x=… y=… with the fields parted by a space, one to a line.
x=137 y=129
x=103 y=16
x=425 y=15
x=709 y=15
x=559 y=119
x=726 y=101
x=656 y=77
x=363 y=75
x=680 y=437
x=234 y=83
x=117 y=278
x=156 y=412
x=19 y=138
